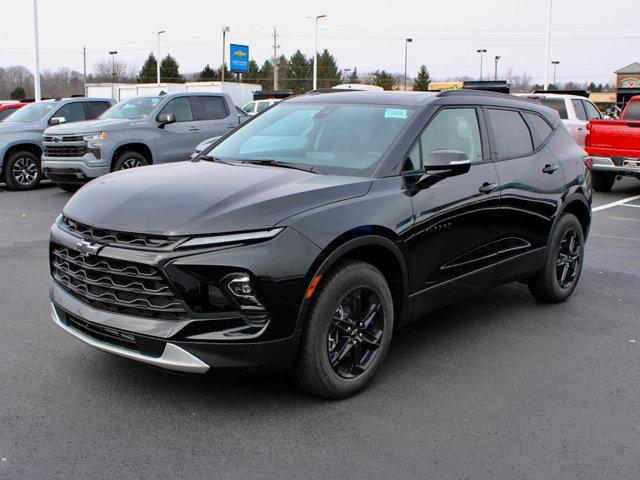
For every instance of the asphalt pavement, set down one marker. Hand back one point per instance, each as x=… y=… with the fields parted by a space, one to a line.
x=497 y=387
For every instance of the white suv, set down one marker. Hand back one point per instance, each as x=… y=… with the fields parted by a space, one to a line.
x=257 y=106
x=575 y=111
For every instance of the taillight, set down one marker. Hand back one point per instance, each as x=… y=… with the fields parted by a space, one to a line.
x=588 y=161
x=587 y=138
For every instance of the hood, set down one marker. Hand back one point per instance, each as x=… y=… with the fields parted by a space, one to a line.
x=205 y=197
x=89 y=126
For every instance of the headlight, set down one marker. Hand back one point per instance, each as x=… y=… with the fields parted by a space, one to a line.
x=95 y=136
x=231 y=238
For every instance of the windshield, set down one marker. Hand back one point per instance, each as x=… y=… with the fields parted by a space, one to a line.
x=633 y=111
x=32 y=112
x=133 y=108
x=345 y=139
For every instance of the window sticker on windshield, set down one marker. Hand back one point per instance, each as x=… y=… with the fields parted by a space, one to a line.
x=155 y=101
x=395 y=113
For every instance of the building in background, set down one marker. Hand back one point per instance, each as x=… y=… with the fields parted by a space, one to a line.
x=627 y=83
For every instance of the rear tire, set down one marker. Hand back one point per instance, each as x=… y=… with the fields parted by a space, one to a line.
x=129 y=159
x=603 y=182
x=347 y=331
x=69 y=187
x=22 y=171
x=557 y=281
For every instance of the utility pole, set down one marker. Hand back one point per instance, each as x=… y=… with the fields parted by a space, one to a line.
x=547 y=56
x=406 y=45
x=275 y=59
x=315 y=55
x=84 y=63
x=158 y=59
x=36 y=87
x=224 y=40
x=495 y=67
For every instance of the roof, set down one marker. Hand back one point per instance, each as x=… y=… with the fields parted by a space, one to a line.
x=364 y=97
x=631 y=68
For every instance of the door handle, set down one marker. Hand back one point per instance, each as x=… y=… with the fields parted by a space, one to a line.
x=488 y=187
x=550 y=167
x=232 y=125
x=193 y=129
x=580 y=129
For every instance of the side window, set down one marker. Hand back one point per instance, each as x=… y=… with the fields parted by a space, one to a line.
x=454 y=129
x=249 y=107
x=511 y=133
x=95 y=109
x=558 y=104
x=212 y=108
x=541 y=128
x=180 y=107
x=72 y=112
x=592 y=110
x=412 y=162
x=579 y=108
x=262 y=106
x=241 y=112
x=6 y=112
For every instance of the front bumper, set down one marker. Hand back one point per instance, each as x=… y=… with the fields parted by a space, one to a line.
x=618 y=166
x=74 y=169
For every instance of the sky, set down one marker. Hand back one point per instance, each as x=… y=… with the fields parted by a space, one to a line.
x=590 y=38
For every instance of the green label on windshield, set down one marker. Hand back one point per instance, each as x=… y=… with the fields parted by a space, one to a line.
x=395 y=113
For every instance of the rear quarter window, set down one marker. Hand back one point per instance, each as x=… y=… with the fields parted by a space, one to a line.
x=511 y=133
x=540 y=128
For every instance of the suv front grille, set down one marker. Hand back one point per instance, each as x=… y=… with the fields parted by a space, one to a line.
x=115 y=285
x=65 y=150
x=103 y=334
x=112 y=237
x=63 y=138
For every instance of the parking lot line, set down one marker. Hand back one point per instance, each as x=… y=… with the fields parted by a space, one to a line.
x=616 y=203
x=627 y=205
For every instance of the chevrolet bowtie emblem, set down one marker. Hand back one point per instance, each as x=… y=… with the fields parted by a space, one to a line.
x=88 y=248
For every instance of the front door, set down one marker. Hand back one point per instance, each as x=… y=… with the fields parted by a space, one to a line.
x=452 y=246
x=176 y=141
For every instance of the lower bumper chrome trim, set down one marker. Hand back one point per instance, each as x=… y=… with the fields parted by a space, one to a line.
x=173 y=357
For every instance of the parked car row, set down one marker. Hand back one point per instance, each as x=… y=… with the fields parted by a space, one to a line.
x=74 y=140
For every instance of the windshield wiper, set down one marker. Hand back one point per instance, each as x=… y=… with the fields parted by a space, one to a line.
x=276 y=163
x=209 y=158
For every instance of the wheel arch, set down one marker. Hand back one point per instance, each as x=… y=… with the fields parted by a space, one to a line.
x=578 y=206
x=138 y=147
x=29 y=147
x=378 y=249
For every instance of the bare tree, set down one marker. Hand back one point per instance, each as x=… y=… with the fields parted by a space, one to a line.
x=519 y=83
x=105 y=69
x=62 y=83
x=15 y=76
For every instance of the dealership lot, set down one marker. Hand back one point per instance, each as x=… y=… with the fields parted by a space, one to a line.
x=497 y=387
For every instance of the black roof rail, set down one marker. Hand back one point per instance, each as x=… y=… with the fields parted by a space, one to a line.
x=471 y=92
x=579 y=93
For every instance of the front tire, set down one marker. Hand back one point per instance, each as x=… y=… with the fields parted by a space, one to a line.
x=603 y=182
x=22 y=171
x=557 y=281
x=127 y=160
x=346 y=333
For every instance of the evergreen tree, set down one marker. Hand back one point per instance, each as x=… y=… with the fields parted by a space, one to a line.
x=207 y=74
x=421 y=83
x=265 y=75
x=227 y=73
x=328 y=71
x=148 y=72
x=299 y=73
x=253 y=75
x=17 y=93
x=383 y=79
x=353 y=76
x=170 y=70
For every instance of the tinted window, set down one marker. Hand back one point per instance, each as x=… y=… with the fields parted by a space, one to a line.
x=579 y=108
x=133 y=108
x=262 y=106
x=454 y=129
x=347 y=139
x=413 y=162
x=557 y=104
x=633 y=111
x=72 y=112
x=249 y=107
x=6 y=112
x=541 y=128
x=180 y=107
x=592 y=110
x=511 y=134
x=212 y=108
x=95 y=109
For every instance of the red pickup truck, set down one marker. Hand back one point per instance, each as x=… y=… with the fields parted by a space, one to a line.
x=614 y=146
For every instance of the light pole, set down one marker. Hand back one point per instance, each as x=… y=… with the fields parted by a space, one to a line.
x=548 y=54
x=113 y=54
x=158 y=59
x=407 y=41
x=345 y=74
x=495 y=67
x=481 y=51
x=225 y=30
x=315 y=55
x=36 y=87
x=555 y=64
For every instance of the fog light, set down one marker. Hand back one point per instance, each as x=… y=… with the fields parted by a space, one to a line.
x=242 y=291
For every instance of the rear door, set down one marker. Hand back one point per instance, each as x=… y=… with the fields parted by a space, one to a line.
x=452 y=245
x=215 y=116
x=531 y=188
x=94 y=109
x=177 y=140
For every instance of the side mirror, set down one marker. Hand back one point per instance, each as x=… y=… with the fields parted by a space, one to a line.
x=165 y=118
x=439 y=164
x=57 y=120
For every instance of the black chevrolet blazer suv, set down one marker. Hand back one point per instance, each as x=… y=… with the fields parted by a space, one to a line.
x=302 y=239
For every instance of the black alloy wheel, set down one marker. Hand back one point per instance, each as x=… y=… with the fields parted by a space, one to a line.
x=355 y=333
x=569 y=258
